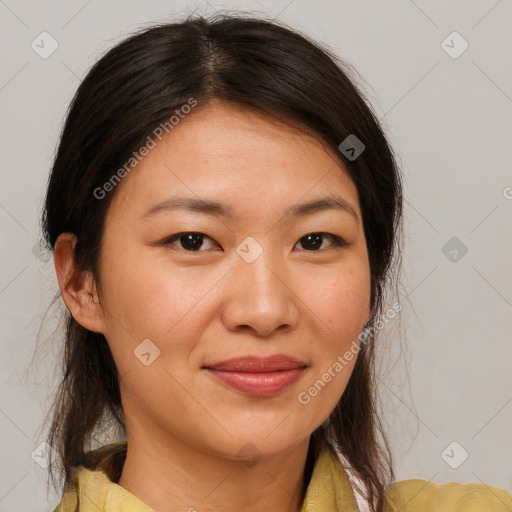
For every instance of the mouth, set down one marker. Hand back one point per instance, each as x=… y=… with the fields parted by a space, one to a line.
x=258 y=376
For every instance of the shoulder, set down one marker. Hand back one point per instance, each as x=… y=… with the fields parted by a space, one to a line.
x=94 y=488
x=93 y=491
x=426 y=496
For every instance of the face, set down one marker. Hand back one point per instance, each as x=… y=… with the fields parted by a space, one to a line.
x=183 y=289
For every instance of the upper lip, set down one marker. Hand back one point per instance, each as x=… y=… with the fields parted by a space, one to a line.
x=255 y=364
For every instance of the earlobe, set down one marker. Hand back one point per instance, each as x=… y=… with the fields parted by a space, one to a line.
x=78 y=288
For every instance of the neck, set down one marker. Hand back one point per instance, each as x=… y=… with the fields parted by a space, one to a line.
x=170 y=475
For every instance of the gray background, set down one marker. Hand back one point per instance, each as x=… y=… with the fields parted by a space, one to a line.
x=449 y=120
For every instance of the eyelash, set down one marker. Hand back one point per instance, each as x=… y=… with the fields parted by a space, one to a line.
x=338 y=242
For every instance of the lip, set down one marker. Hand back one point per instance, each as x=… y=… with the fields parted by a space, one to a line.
x=255 y=364
x=258 y=376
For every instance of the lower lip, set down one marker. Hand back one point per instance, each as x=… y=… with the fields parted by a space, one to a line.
x=259 y=384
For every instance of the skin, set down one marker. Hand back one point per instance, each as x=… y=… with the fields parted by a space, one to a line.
x=185 y=428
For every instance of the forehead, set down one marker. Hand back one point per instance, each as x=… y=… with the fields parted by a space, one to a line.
x=237 y=156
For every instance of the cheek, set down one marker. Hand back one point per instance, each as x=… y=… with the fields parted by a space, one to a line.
x=152 y=298
x=339 y=300
x=339 y=312
x=162 y=304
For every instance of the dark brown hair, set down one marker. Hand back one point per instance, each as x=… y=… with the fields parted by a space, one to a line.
x=131 y=90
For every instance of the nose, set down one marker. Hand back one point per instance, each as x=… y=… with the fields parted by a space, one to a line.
x=259 y=298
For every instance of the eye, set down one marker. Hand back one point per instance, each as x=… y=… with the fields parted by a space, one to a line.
x=194 y=241
x=190 y=241
x=314 y=241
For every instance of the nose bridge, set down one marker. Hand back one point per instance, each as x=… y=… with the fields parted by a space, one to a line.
x=259 y=295
x=262 y=275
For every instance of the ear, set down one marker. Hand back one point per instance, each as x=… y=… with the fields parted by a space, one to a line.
x=78 y=289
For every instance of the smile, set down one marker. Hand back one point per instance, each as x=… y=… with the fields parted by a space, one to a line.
x=257 y=376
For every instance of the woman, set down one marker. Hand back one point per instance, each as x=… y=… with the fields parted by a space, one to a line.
x=224 y=212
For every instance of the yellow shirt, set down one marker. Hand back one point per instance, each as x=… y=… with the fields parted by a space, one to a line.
x=329 y=490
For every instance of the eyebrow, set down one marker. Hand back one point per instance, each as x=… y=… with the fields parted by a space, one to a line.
x=216 y=209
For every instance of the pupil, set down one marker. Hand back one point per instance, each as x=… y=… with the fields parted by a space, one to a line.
x=314 y=240
x=191 y=241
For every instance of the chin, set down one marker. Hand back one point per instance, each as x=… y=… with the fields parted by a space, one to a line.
x=259 y=446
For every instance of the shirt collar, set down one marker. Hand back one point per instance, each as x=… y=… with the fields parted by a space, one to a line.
x=95 y=490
